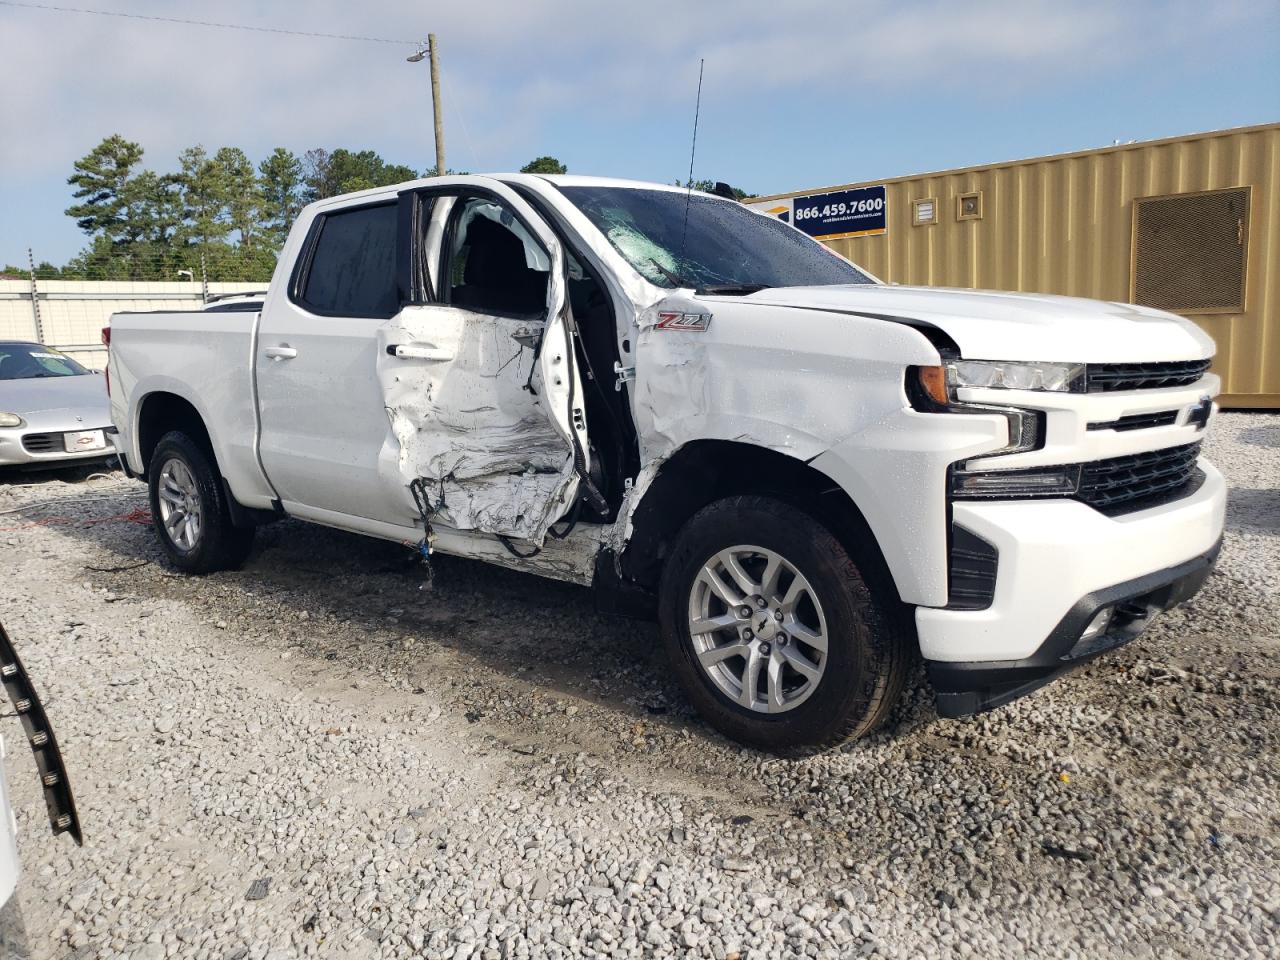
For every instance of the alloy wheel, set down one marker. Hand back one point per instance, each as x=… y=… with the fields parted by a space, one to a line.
x=758 y=629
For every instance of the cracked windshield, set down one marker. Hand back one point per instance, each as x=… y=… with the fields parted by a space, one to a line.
x=724 y=245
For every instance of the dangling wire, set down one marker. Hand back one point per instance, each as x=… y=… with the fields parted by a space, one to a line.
x=422 y=501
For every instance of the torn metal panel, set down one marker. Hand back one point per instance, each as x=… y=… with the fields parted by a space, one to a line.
x=619 y=532
x=571 y=559
x=782 y=379
x=467 y=422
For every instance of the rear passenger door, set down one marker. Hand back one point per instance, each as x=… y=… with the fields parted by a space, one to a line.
x=323 y=425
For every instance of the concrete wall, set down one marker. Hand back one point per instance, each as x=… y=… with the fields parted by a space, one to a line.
x=73 y=312
x=1066 y=224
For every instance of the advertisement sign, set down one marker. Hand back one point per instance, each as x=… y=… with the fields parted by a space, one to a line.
x=832 y=216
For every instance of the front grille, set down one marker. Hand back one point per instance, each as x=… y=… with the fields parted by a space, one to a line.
x=1105 y=377
x=1139 y=480
x=42 y=442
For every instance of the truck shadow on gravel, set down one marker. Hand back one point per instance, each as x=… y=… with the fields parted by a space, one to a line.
x=518 y=653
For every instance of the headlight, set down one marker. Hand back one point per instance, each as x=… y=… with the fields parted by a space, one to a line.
x=998 y=375
x=929 y=390
x=11 y=420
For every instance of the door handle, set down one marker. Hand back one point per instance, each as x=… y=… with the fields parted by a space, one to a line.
x=282 y=352
x=417 y=351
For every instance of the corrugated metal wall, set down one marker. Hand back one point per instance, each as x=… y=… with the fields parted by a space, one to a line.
x=1064 y=224
x=73 y=312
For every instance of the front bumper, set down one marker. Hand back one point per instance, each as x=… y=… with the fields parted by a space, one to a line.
x=13 y=453
x=1052 y=553
x=1060 y=563
x=966 y=688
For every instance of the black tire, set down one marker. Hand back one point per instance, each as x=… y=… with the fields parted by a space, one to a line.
x=220 y=544
x=868 y=649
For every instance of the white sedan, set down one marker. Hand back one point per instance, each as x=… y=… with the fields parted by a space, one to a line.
x=52 y=409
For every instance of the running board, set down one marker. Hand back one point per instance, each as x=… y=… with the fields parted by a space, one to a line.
x=53 y=775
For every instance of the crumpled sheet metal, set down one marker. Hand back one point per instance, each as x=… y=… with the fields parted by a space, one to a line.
x=770 y=377
x=767 y=376
x=491 y=459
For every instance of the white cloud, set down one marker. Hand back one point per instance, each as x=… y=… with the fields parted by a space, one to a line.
x=514 y=68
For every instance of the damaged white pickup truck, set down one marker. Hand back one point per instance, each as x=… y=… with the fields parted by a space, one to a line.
x=807 y=476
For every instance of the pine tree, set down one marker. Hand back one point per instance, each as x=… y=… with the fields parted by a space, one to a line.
x=204 y=197
x=241 y=198
x=280 y=183
x=101 y=180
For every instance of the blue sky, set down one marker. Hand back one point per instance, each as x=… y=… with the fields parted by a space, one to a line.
x=795 y=95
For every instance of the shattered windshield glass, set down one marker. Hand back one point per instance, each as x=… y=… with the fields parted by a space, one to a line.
x=724 y=245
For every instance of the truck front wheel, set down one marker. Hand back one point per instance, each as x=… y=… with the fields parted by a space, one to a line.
x=189 y=508
x=773 y=631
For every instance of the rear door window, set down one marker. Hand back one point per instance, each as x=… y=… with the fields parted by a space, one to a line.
x=352 y=268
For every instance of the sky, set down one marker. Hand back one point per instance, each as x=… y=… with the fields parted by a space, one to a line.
x=796 y=94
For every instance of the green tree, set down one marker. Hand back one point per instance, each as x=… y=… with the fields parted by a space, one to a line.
x=316 y=179
x=101 y=179
x=146 y=225
x=44 y=271
x=280 y=184
x=154 y=205
x=242 y=198
x=104 y=260
x=544 y=165
x=345 y=171
x=204 y=197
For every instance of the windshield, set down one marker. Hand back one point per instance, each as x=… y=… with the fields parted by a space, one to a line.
x=723 y=244
x=27 y=361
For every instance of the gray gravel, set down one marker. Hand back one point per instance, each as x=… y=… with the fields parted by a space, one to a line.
x=319 y=756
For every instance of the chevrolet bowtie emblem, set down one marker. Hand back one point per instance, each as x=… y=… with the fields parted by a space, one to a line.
x=1199 y=415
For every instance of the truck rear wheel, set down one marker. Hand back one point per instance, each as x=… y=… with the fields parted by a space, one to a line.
x=773 y=631
x=189 y=508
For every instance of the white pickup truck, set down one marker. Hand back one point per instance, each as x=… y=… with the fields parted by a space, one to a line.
x=807 y=476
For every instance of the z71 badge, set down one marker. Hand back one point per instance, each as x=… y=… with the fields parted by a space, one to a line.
x=693 y=322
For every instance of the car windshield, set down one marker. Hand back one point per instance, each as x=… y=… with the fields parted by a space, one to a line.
x=677 y=239
x=29 y=361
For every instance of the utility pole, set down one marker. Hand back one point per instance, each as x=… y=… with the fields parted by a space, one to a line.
x=433 y=51
x=436 y=106
x=35 y=297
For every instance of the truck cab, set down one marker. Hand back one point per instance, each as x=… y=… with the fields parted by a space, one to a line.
x=807 y=477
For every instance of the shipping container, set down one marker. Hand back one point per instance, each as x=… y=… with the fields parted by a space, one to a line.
x=1189 y=224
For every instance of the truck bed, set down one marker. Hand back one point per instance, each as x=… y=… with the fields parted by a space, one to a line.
x=205 y=359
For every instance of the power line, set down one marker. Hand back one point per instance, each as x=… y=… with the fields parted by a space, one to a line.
x=203 y=23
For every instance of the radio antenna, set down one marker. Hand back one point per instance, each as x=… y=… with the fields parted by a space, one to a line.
x=693 y=152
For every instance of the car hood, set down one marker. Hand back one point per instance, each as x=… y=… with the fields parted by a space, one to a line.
x=54 y=403
x=994 y=325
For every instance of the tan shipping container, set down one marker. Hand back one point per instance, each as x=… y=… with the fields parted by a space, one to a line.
x=1189 y=224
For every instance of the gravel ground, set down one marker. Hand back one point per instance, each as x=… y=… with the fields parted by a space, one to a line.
x=321 y=755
